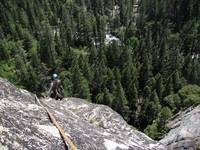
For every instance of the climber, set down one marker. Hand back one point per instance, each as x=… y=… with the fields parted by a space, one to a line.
x=56 y=89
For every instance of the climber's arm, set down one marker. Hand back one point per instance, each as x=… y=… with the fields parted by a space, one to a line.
x=50 y=89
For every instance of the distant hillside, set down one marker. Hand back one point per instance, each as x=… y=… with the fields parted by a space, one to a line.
x=131 y=55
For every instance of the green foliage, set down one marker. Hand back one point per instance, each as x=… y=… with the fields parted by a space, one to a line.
x=4 y=50
x=120 y=103
x=67 y=84
x=8 y=48
x=186 y=97
x=163 y=116
x=105 y=98
x=173 y=101
x=153 y=107
x=194 y=78
x=8 y=71
x=151 y=66
x=47 y=45
x=145 y=71
x=159 y=86
x=189 y=95
x=158 y=127
x=35 y=61
x=80 y=86
x=100 y=73
x=133 y=42
x=32 y=80
x=152 y=131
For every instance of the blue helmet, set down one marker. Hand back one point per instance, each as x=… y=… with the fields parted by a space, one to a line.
x=55 y=76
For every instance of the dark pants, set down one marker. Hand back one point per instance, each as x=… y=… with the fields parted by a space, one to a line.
x=56 y=95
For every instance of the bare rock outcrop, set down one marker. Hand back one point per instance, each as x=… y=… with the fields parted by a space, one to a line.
x=25 y=125
x=184 y=130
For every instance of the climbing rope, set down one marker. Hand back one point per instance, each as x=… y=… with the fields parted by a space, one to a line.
x=68 y=142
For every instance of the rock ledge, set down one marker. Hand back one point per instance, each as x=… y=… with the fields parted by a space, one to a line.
x=25 y=125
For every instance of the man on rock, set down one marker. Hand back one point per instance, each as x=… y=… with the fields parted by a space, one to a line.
x=56 y=89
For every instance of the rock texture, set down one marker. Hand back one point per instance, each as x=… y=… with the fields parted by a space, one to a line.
x=25 y=125
x=185 y=130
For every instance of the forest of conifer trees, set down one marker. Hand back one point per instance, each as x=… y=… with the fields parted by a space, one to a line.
x=149 y=72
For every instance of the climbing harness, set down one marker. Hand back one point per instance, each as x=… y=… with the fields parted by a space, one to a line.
x=68 y=142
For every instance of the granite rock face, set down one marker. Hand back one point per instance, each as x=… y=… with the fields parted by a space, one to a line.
x=24 y=124
x=184 y=130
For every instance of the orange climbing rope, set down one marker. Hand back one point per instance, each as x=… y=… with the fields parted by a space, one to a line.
x=67 y=140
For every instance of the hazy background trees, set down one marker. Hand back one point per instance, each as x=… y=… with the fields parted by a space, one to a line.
x=145 y=74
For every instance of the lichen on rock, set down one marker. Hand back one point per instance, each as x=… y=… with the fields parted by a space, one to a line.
x=184 y=130
x=26 y=125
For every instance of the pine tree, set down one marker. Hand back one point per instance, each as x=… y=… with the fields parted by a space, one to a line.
x=164 y=115
x=113 y=54
x=100 y=73
x=105 y=97
x=23 y=18
x=68 y=58
x=169 y=87
x=132 y=96
x=159 y=86
x=174 y=59
x=195 y=70
x=177 y=81
x=80 y=86
x=84 y=28
x=129 y=74
x=67 y=83
x=85 y=68
x=101 y=26
x=108 y=98
x=153 y=107
x=111 y=81
x=162 y=55
x=35 y=61
x=92 y=55
x=145 y=71
x=22 y=71
x=132 y=43
x=133 y=102
x=58 y=45
x=4 y=50
x=99 y=98
x=47 y=46
x=120 y=103
x=147 y=92
x=158 y=127
x=34 y=81
x=151 y=83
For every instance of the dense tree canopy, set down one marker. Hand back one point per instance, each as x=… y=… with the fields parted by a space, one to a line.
x=137 y=57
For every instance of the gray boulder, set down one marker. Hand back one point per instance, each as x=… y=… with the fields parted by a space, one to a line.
x=184 y=130
x=25 y=125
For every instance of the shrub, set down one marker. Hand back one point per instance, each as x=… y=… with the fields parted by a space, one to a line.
x=190 y=95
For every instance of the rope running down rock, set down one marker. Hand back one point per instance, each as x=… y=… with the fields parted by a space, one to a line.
x=67 y=140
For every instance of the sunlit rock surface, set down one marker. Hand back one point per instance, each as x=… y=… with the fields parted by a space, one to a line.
x=25 y=125
x=185 y=130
